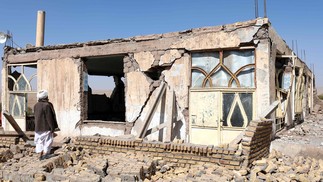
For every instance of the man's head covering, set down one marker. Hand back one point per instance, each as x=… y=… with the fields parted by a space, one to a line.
x=42 y=94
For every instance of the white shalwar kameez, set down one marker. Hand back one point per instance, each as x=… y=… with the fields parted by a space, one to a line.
x=43 y=141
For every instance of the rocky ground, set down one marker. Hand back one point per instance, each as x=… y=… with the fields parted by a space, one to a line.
x=296 y=155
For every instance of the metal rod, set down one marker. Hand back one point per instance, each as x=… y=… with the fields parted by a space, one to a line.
x=265 y=9
x=256 y=9
x=293 y=45
x=296 y=48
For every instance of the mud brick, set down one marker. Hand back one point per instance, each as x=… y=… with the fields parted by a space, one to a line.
x=144 y=149
x=178 y=156
x=173 y=160
x=235 y=163
x=253 y=123
x=209 y=148
x=160 y=150
x=229 y=157
x=197 y=158
x=152 y=149
x=214 y=151
x=204 y=150
x=205 y=159
x=187 y=157
x=249 y=133
x=182 y=165
x=191 y=162
x=232 y=151
x=237 y=168
x=226 y=151
x=171 y=146
x=253 y=128
x=162 y=146
x=107 y=152
x=220 y=150
x=161 y=154
x=224 y=162
x=217 y=156
x=189 y=148
x=111 y=149
x=196 y=149
x=170 y=155
x=216 y=161
x=182 y=161
x=200 y=163
x=229 y=167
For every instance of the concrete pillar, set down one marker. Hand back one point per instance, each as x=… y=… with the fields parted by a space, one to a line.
x=40 y=28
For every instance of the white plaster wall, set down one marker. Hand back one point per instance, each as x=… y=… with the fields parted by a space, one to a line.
x=92 y=130
x=136 y=94
x=178 y=78
x=5 y=124
x=61 y=77
x=144 y=59
x=262 y=77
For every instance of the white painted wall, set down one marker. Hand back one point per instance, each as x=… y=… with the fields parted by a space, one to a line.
x=61 y=77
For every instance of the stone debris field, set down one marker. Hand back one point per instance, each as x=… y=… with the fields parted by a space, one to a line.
x=71 y=164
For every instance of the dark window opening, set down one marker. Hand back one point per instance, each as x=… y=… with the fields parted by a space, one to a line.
x=105 y=92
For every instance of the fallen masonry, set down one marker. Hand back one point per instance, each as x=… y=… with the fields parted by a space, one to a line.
x=70 y=163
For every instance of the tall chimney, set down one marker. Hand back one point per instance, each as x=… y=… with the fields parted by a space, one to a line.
x=40 y=28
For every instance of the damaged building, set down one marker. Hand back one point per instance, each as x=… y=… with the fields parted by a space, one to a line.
x=203 y=85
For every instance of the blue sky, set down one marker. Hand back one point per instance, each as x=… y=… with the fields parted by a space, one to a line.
x=71 y=21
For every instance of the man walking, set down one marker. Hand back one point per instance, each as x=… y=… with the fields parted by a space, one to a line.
x=45 y=124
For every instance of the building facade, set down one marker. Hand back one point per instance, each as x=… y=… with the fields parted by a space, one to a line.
x=203 y=85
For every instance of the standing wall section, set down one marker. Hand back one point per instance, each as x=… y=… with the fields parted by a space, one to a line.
x=61 y=77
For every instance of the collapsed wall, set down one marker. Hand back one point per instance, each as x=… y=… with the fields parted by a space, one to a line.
x=253 y=145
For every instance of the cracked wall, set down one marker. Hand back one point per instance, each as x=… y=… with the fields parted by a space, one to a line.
x=144 y=72
x=149 y=61
x=62 y=79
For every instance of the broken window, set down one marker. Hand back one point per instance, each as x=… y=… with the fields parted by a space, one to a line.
x=223 y=69
x=228 y=70
x=105 y=88
x=237 y=109
x=22 y=87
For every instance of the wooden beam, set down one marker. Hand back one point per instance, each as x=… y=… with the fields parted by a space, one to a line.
x=170 y=114
x=269 y=109
x=152 y=110
x=14 y=124
x=156 y=128
x=286 y=56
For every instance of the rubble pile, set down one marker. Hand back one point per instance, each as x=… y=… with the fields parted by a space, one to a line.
x=72 y=164
x=305 y=139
